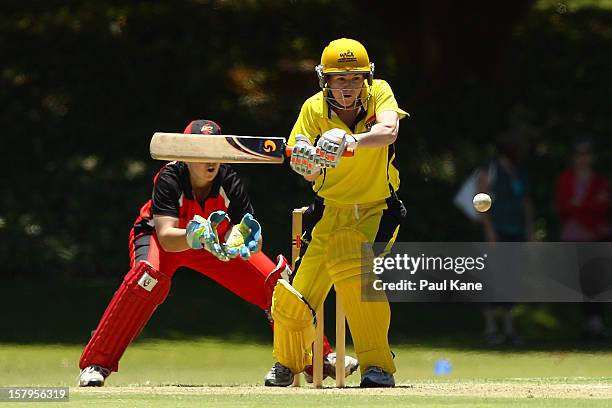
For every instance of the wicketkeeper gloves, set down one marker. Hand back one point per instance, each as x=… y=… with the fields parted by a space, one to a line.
x=244 y=238
x=202 y=233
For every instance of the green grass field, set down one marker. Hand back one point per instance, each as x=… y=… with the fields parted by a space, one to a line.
x=207 y=372
x=207 y=361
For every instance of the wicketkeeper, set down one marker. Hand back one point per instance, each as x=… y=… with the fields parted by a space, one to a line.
x=199 y=217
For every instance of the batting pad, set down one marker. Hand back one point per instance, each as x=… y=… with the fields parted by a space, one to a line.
x=368 y=321
x=294 y=329
x=142 y=290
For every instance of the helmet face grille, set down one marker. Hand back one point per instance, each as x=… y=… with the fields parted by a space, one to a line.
x=360 y=101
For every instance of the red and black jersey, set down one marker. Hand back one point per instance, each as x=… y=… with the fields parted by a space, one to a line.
x=172 y=195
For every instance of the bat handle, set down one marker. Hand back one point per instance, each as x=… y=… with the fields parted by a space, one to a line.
x=346 y=153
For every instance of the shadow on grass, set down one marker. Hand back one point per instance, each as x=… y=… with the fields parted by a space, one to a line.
x=52 y=312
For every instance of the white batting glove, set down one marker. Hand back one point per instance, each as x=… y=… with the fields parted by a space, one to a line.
x=331 y=146
x=304 y=157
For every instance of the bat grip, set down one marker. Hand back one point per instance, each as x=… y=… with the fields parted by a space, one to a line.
x=346 y=153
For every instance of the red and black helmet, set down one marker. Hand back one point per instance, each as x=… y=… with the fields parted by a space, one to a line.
x=202 y=126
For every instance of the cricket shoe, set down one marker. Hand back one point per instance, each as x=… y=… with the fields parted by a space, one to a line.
x=93 y=376
x=329 y=367
x=376 y=377
x=279 y=376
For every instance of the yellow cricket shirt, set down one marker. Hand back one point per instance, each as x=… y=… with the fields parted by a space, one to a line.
x=366 y=176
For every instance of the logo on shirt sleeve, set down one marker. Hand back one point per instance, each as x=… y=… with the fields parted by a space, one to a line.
x=371 y=121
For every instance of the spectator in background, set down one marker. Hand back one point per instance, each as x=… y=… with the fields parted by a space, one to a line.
x=509 y=220
x=582 y=202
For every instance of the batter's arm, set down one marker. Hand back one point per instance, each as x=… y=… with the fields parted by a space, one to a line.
x=383 y=133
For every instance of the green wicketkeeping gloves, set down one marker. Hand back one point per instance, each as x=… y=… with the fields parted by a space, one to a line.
x=244 y=239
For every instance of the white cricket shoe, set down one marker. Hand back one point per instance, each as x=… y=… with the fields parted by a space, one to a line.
x=93 y=376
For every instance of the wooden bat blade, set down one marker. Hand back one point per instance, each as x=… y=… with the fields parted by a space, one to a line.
x=217 y=148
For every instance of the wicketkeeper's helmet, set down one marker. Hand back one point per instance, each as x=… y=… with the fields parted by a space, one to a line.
x=203 y=126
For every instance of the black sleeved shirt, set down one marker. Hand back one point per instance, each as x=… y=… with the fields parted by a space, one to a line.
x=172 y=195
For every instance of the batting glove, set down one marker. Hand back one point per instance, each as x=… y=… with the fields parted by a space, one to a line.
x=331 y=145
x=304 y=157
x=244 y=239
x=202 y=233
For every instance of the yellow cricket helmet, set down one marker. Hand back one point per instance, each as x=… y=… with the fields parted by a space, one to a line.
x=344 y=55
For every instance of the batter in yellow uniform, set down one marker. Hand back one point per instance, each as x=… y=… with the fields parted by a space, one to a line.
x=356 y=202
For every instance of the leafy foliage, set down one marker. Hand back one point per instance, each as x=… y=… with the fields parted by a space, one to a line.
x=85 y=84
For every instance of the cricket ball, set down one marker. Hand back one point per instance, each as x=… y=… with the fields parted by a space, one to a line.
x=482 y=202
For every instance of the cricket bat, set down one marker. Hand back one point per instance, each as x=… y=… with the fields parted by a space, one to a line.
x=220 y=148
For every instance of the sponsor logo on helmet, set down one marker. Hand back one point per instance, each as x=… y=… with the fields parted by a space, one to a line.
x=347 y=56
x=269 y=146
x=371 y=121
x=207 y=129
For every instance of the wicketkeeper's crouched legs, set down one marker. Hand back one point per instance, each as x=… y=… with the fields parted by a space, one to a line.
x=368 y=321
x=142 y=290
